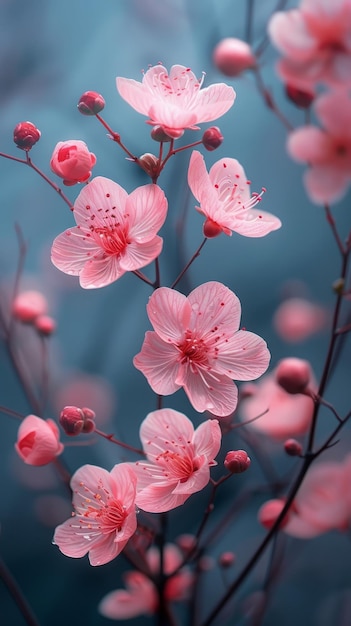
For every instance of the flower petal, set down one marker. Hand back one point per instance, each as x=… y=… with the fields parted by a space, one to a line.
x=162 y=427
x=148 y=213
x=100 y=272
x=158 y=361
x=169 y=313
x=243 y=357
x=99 y=198
x=138 y=255
x=211 y=392
x=214 y=308
x=71 y=250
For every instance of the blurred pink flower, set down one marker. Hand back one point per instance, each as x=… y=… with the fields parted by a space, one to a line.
x=28 y=305
x=197 y=345
x=296 y=319
x=315 y=41
x=72 y=161
x=140 y=596
x=38 y=441
x=115 y=232
x=175 y=101
x=105 y=514
x=178 y=459
x=327 y=151
x=225 y=201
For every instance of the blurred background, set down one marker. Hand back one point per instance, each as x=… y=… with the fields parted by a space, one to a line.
x=50 y=53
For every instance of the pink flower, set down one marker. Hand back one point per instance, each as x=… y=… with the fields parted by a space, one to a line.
x=327 y=151
x=197 y=345
x=38 y=441
x=233 y=56
x=140 y=596
x=296 y=319
x=175 y=101
x=29 y=305
x=104 y=517
x=225 y=201
x=115 y=232
x=72 y=161
x=178 y=459
x=315 y=42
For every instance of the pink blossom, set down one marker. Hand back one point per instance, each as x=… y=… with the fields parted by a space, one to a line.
x=327 y=151
x=175 y=101
x=233 y=56
x=197 y=345
x=225 y=200
x=178 y=459
x=315 y=41
x=72 y=161
x=38 y=441
x=28 y=305
x=104 y=517
x=115 y=232
x=296 y=319
x=140 y=596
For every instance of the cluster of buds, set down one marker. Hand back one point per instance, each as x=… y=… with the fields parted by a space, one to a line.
x=75 y=420
x=237 y=461
x=30 y=307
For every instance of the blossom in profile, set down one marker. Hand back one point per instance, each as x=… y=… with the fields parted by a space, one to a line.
x=72 y=161
x=115 y=232
x=315 y=43
x=196 y=344
x=178 y=459
x=140 y=596
x=38 y=441
x=175 y=100
x=327 y=150
x=224 y=197
x=104 y=515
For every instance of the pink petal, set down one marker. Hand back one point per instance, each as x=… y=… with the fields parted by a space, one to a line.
x=137 y=255
x=123 y=487
x=199 y=180
x=326 y=184
x=289 y=33
x=100 y=272
x=101 y=193
x=147 y=207
x=214 y=101
x=334 y=111
x=140 y=598
x=309 y=144
x=135 y=94
x=196 y=482
x=163 y=426
x=214 y=306
x=86 y=480
x=106 y=550
x=207 y=439
x=243 y=357
x=72 y=541
x=159 y=499
x=171 y=116
x=169 y=313
x=211 y=392
x=231 y=172
x=71 y=250
x=158 y=361
x=256 y=223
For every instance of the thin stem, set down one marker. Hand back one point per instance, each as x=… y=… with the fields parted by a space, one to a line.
x=142 y=277
x=15 y=591
x=249 y=21
x=332 y=224
x=118 y=442
x=269 y=100
x=195 y=255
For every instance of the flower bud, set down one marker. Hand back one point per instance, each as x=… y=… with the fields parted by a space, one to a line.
x=233 y=56
x=158 y=134
x=302 y=99
x=25 y=135
x=91 y=103
x=293 y=447
x=186 y=542
x=45 y=324
x=226 y=559
x=269 y=512
x=75 y=420
x=212 y=138
x=38 y=441
x=293 y=374
x=150 y=164
x=237 y=461
x=72 y=161
x=28 y=305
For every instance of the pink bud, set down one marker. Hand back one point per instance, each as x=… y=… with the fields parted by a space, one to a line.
x=75 y=420
x=186 y=542
x=233 y=56
x=270 y=510
x=226 y=559
x=72 y=161
x=212 y=138
x=211 y=229
x=25 y=135
x=38 y=441
x=28 y=305
x=293 y=447
x=45 y=324
x=150 y=164
x=302 y=99
x=91 y=103
x=158 y=134
x=237 y=461
x=293 y=374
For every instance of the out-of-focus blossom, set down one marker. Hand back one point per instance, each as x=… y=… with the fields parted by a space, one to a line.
x=315 y=43
x=327 y=151
x=296 y=319
x=45 y=325
x=26 y=135
x=178 y=459
x=293 y=374
x=38 y=441
x=197 y=345
x=175 y=100
x=140 y=596
x=233 y=56
x=72 y=161
x=104 y=516
x=28 y=305
x=225 y=200
x=270 y=511
x=115 y=232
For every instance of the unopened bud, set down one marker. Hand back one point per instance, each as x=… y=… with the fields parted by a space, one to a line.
x=237 y=461
x=28 y=305
x=302 y=99
x=226 y=559
x=25 y=135
x=293 y=375
x=186 y=542
x=293 y=447
x=158 y=134
x=233 y=56
x=75 y=420
x=45 y=324
x=91 y=103
x=150 y=164
x=270 y=511
x=212 y=138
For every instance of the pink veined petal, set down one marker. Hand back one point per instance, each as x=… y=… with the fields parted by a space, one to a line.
x=158 y=361
x=135 y=94
x=196 y=482
x=326 y=184
x=100 y=272
x=137 y=255
x=309 y=144
x=86 y=480
x=214 y=308
x=211 y=392
x=243 y=357
x=150 y=472
x=231 y=172
x=100 y=193
x=106 y=550
x=147 y=208
x=289 y=33
x=169 y=313
x=71 y=540
x=172 y=116
x=207 y=439
x=256 y=223
x=159 y=499
x=140 y=598
x=71 y=250
x=124 y=484
x=199 y=180
x=214 y=101
x=163 y=426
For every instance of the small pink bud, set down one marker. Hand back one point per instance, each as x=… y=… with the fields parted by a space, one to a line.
x=211 y=229
x=269 y=512
x=212 y=138
x=150 y=164
x=28 y=305
x=75 y=420
x=158 y=134
x=25 y=135
x=91 y=103
x=237 y=461
x=45 y=324
x=293 y=374
x=186 y=542
x=302 y=99
x=226 y=559
x=293 y=447
x=233 y=56
x=72 y=161
x=38 y=441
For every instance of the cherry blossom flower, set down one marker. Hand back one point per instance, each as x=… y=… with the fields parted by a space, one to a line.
x=197 y=345
x=140 y=596
x=38 y=441
x=225 y=201
x=72 y=161
x=175 y=101
x=115 y=232
x=315 y=42
x=327 y=151
x=105 y=514
x=178 y=459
